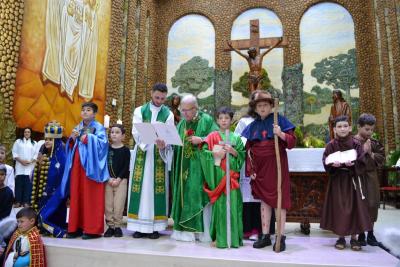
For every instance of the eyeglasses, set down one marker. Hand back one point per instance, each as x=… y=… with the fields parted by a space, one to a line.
x=187 y=110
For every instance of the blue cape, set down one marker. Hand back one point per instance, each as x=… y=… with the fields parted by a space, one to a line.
x=260 y=130
x=93 y=155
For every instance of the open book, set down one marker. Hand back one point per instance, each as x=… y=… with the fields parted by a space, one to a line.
x=341 y=156
x=150 y=132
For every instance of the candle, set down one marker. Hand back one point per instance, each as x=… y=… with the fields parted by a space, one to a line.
x=106 y=121
x=119 y=121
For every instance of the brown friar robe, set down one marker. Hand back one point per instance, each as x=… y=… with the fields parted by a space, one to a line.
x=345 y=212
x=373 y=161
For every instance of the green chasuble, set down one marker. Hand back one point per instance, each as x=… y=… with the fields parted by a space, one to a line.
x=214 y=176
x=158 y=175
x=189 y=198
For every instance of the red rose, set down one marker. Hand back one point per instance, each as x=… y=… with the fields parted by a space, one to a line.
x=189 y=132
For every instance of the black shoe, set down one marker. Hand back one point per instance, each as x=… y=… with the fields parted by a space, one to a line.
x=283 y=244
x=361 y=239
x=154 y=235
x=263 y=241
x=110 y=232
x=118 y=232
x=90 y=236
x=74 y=234
x=138 y=235
x=371 y=240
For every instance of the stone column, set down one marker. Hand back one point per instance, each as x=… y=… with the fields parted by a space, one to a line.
x=222 y=88
x=292 y=80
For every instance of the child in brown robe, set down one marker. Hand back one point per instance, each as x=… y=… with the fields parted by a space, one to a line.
x=374 y=158
x=345 y=209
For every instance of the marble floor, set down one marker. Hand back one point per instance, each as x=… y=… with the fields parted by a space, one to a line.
x=314 y=250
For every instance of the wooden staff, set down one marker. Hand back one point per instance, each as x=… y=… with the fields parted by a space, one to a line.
x=279 y=185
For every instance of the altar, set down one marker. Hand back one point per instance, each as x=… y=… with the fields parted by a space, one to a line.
x=308 y=186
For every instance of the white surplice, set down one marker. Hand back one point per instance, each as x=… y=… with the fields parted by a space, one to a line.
x=145 y=222
x=245 y=186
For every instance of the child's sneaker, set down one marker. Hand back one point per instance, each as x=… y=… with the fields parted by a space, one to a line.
x=263 y=241
x=110 y=232
x=118 y=232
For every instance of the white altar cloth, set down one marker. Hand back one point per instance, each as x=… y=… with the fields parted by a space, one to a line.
x=305 y=159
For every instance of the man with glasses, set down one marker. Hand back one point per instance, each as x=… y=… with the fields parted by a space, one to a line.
x=189 y=199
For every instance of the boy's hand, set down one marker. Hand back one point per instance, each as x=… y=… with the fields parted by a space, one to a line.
x=110 y=181
x=230 y=150
x=74 y=134
x=253 y=176
x=83 y=137
x=23 y=253
x=219 y=154
x=367 y=147
x=279 y=133
x=160 y=144
x=349 y=163
x=116 y=181
x=277 y=130
x=336 y=164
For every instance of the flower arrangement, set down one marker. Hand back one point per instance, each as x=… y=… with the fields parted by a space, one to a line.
x=189 y=132
x=188 y=147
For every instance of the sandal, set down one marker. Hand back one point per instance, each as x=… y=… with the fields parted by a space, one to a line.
x=340 y=243
x=355 y=245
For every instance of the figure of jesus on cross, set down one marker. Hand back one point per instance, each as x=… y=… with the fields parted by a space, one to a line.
x=254 y=58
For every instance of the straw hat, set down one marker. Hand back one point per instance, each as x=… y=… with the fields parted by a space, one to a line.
x=262 y=96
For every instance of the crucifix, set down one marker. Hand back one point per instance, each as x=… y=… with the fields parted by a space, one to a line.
x=254 y=58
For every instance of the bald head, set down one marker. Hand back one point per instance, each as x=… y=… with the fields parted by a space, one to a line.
x=189 y=107
x=190 y=99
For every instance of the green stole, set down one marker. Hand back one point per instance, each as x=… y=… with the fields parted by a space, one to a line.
x=159 y=173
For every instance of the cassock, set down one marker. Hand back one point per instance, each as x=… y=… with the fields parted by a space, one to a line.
x=148 y=194
x=189 y=198
x=215 y=187
x=261 y=159
x=84 y=176
x=345 y=210
x=371 y=177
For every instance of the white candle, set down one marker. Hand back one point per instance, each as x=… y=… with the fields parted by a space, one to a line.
x=119 y=121
x=106 y=121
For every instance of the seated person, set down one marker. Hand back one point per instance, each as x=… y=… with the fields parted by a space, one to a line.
x=26 y=246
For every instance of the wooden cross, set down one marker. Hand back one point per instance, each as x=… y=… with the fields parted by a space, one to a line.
x=255 y=40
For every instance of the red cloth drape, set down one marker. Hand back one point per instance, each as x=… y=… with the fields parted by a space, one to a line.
x=86 y=201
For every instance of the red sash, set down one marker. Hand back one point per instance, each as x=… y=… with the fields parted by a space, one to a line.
x=214 y=139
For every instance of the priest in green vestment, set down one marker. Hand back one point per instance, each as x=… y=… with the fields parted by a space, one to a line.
x=213 y=163
x=148 y=186
x=189 y=199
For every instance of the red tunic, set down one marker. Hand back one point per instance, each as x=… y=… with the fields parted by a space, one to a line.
x=86 y=201
x=262 y=162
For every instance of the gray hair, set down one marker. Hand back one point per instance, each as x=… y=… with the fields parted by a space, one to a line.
x=190 y=99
